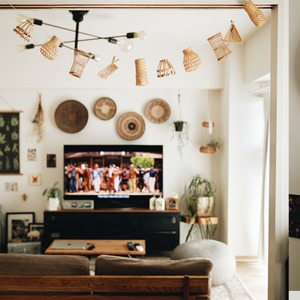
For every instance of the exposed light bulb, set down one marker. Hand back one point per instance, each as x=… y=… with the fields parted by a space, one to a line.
x=96 y=57
x=21 y=18
x=20 y=48
x=125 y=44
x=141 y=34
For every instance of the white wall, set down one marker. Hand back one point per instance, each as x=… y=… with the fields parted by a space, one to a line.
x=29 y=73
x=294 y=137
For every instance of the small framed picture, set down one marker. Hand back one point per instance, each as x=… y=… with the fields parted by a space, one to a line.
x=35 y=232
x=172 y=203
x=17 y=226
x=51 y=161
x=35 y=179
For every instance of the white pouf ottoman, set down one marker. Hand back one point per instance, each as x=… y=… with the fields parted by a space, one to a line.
x=224 y=264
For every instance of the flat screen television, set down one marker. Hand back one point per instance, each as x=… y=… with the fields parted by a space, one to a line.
x=113 y=176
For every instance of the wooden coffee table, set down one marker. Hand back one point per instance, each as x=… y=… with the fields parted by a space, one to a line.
x=110 y=247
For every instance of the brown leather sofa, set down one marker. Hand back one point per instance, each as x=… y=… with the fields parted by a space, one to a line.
x=33 y=276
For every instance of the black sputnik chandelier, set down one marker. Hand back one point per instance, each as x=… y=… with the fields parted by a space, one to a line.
x=50 y=48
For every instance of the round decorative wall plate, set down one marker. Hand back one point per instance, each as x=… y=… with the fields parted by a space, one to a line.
x=105 y=108
x=157 y=111
x=130 y=126
x=71 y=116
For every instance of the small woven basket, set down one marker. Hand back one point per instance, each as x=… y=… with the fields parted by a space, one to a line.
x=165 y=68
x=255 y=14
x=141 y=76
x=218 y=45
x=49 y=49
x=233 y=35
x=81 y=58
x=24 y=30
x=208 y=149
x=191 y=60
x=112 y=67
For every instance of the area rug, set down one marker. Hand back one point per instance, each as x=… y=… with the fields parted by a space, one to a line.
x=233 y=289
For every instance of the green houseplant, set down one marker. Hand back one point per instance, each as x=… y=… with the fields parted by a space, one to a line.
x=54 y=196
x=198 y=197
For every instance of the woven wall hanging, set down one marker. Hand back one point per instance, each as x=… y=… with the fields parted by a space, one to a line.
x=191 y=60
x=165 y=68
x=232 y=36
x=49 y=49
x=112 y=67
x=81 y=58
x=255 y=14
x=141 y=76
x=218 y=45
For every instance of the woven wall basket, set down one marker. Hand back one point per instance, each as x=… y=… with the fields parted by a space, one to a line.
x=255 y=14
x=218 y=45
x=81 y=58
x=49 y=49
x=141 y=76
x=191 y=60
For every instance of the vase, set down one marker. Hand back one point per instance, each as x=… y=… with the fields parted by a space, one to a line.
x=205 y=206
x=53 y=204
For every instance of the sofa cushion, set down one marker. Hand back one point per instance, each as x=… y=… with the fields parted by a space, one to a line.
x=117 y=265
x=38 y=264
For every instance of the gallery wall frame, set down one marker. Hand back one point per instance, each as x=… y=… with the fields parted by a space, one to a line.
x=36 y=232
x=17 y=226
x=10 y=142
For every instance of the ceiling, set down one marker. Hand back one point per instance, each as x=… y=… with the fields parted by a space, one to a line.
x=187 y=25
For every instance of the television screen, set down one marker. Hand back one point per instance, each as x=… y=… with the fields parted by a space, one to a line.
x=113 y=175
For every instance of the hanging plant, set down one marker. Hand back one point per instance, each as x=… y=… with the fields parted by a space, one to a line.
x=180 y=129
x=212 y=146
x=178 y=125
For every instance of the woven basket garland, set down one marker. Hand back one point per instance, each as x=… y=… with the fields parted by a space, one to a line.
x=81 y=58
x=112 y=67
x=233 y=35
x=255 y=14
x=218 y=45
x=49 y=49
x=141 y=76
x=24 y=30
x=165 y=68
x=191 y=60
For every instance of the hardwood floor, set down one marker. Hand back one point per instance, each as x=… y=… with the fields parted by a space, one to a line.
x=255 y=277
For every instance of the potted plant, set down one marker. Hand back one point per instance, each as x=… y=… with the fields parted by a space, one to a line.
x=54 y=196
x=212 y=146
x=178 y=125
x=198 y=197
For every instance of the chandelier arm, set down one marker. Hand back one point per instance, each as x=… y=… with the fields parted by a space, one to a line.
x=85 y=33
